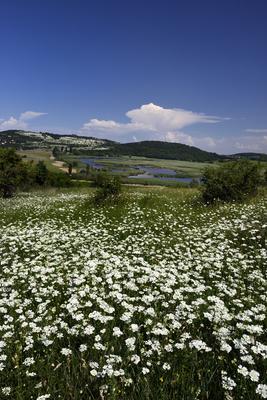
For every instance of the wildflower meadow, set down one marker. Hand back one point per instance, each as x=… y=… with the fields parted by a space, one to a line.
x=156 y=297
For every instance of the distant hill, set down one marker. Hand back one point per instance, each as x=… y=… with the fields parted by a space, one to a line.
x=26 y=140
x=251 y=156
x=84 y=145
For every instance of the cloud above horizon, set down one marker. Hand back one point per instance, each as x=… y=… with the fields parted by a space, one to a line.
x=153 y=122
x=154 y=117
x=250 y=143
x=260 y=131
x=21 y=121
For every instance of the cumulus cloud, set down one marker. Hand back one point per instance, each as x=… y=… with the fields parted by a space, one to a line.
x=21 y=122
x=152 y=122
x=158 y=118
x=12 y=123
x=179 y=137
x=202 y=142
x=105 y=126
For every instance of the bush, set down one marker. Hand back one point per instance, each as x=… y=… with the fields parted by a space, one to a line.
x=233 y=181
x=58 y=179
x=109 y=187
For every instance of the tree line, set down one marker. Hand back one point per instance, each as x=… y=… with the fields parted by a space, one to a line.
x=17 y=174
x=231 y=181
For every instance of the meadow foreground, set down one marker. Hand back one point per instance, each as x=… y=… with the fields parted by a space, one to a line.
x=158 y=297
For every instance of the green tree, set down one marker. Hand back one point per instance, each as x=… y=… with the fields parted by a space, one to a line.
x=12 y=172
x=233 y=181
x=70 y=168
x=41 y=173
x=55 y=152
x=87 y=171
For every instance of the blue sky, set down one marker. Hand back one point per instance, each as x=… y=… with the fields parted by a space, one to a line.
x=188 y=71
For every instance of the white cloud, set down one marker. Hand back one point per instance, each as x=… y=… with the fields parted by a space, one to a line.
x=152 y=122
x=245 y=146
x=255 y=142
x=179 y=137
x=25 y=116
x=252 y=144
x=12 y=123
x=261 y=131
x=21 y=122
x=202 y=142
x=163 y=119
x=208 y=141
x=103 y=125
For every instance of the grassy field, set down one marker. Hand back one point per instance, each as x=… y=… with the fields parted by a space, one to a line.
x=39 y=155
x=156 y=297
x=153 y=181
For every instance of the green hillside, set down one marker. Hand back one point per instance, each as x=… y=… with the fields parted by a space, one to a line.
x=173 y=151
x=162 y=150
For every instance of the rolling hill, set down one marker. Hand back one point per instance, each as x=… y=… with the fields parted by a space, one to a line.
x=158 y=149
x=90 y=146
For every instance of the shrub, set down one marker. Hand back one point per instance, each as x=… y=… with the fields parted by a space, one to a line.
x=233 y=181
x=99 y=178
x=58 y=179
x=109 y=187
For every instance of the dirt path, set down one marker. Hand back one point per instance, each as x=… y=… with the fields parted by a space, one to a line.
x=60 y=165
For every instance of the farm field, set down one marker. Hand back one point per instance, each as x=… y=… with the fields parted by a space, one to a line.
x=156 y=297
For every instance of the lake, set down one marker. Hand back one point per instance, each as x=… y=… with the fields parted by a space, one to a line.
x=163 y=174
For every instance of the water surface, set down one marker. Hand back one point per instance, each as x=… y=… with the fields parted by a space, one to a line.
x=164 y=174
